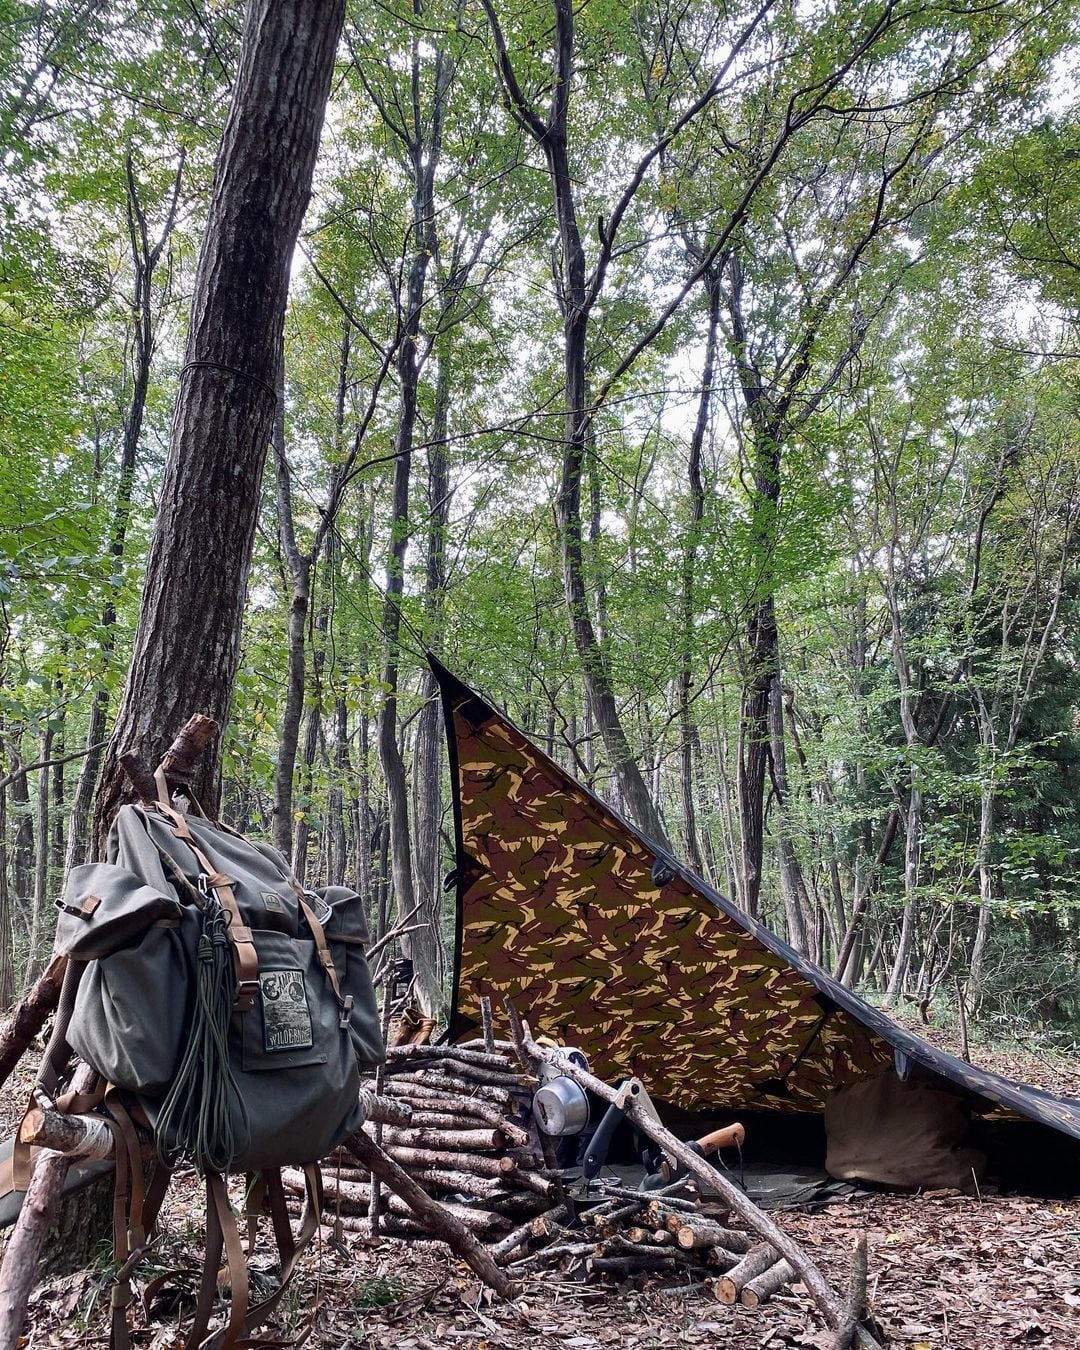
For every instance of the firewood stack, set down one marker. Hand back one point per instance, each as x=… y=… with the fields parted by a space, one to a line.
x=639 y=1234
x=465 y=1145
x=471 y=1143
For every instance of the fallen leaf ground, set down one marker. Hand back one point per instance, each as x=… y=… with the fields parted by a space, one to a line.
x=947 y=1272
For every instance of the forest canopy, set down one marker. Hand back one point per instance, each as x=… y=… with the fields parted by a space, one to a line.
x=696 y=380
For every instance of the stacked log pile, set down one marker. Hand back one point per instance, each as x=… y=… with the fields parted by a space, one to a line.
x=468 y=1142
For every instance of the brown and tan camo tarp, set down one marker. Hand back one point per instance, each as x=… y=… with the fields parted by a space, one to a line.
x=557 y=907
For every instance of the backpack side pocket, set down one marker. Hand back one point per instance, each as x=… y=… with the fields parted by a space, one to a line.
x=134 y=1004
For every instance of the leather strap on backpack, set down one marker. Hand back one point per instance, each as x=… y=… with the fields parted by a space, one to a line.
x=245 y=958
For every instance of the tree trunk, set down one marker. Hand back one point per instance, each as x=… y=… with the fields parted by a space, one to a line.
x=576 y=300
x=912 y=851
x=688 y=731
x=754 y=736
x=791 y=880
x=302 y=834
x=22 y=846
x=7 y=965
x=202 y=542
x=35 y=960
x=986 y=876
x=300 y=568
x=426 y=946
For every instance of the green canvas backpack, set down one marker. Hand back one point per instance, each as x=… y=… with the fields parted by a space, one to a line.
x=302 y=1004
x=224 y=1007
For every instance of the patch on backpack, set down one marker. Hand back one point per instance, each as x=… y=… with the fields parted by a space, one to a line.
x=286 y=1016
x=273 y=902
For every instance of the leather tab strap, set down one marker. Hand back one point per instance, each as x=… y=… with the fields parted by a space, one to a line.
x=128 y=1140
x=322 y=948
x=234 y=1255
x=245 y=958
x=208 y=1285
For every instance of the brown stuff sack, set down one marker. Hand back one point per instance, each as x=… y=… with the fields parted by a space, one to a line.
x=900 y=1134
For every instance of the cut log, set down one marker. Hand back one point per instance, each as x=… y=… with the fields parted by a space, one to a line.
x=754 y=1292
x=543 y=1225
x=753 y=1264
x=82 y=1138
x=620 y=1245
x=555 y=1254
x=436 y=1218
x=477 y=1163
x=480 y=1059
x=440 y=1120
x=179 y=761
x=381 y=1110
x=538 y=1185
x=466 y=1074
x=464 y=1183
x=539 y=1227
x=29 y=1015
x=691 y=1232
x=356 y=1195
x=451 y=1087
x=620 y=1267
x=465 y=1140
x=424 y=1097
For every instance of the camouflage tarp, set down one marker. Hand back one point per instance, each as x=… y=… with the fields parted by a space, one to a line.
x=557 y=907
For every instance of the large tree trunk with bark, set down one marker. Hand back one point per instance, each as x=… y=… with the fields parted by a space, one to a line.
x=201 y=548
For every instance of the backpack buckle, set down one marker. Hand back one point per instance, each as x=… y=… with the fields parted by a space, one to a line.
x=245 y=995
x=346 y=1012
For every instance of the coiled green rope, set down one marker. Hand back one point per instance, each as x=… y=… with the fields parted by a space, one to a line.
x=203 y=1119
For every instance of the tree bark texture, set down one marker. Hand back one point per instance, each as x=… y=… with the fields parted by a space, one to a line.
x=187 y=644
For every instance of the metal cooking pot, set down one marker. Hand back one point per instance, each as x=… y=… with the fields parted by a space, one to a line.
x=561 y=1107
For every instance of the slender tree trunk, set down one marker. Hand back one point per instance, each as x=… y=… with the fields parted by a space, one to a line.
x=300 y=568
x=423 y=147
x=202 y=543
x=429 y=958
x=576 y=299
x=689 y=741
x=304 y=816
x=754 y=738
x=41 y=871
x=791 y=880
x=909 y=917
x=338 y=851
x=7 y=962
x=984 y=854
x=23 y=867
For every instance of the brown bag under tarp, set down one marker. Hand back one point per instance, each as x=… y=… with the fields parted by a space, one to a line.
x=900 y=1134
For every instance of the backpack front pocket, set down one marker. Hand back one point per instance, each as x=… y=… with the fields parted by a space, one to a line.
x=286 y=1026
